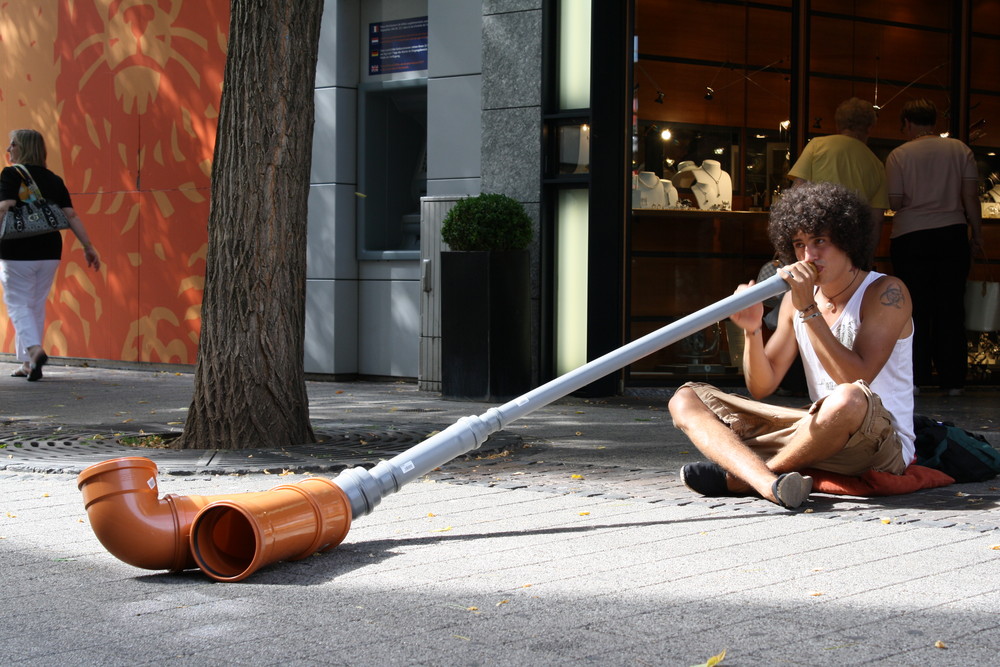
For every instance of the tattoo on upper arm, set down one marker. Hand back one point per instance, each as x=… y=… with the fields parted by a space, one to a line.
x=892 y=296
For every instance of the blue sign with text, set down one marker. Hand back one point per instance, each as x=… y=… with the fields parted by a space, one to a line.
x=397 y=46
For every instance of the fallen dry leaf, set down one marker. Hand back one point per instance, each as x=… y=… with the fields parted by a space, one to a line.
x=714 y=660
x=886 y=520
x=584 y=513
x=576 y=476
x=939 y=644
x=441 y=530
x=995 y=547
x=502 y=602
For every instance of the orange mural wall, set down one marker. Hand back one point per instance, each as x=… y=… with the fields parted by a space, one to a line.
x=127 y=95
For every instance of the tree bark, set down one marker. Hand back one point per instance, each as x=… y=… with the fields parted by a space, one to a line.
x=249 y=380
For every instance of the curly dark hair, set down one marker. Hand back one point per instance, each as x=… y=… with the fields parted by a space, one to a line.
x=822 y=209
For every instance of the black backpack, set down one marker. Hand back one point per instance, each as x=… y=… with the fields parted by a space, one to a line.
x=967 y=457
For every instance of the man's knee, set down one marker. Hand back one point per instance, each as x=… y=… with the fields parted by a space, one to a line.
x=846 y=405
x=683 y=403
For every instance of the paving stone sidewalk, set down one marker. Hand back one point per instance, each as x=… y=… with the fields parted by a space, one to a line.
x=620 y=447
x=572 y=542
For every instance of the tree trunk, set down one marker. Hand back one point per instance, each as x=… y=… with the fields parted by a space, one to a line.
x=249 y=381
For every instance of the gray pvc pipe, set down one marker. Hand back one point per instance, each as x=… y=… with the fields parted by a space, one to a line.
x=366 y=488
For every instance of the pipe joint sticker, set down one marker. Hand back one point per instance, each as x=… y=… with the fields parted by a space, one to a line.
x=407 y=467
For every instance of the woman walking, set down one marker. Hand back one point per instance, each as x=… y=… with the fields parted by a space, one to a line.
x=28 y=265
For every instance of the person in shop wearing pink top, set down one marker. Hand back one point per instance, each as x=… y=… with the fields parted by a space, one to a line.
x=936 y=227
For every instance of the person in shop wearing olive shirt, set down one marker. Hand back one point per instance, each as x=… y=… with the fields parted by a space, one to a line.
x=846 y=159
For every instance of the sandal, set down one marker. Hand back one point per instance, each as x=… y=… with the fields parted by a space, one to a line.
x=36 y=367
x=791 y=489
x=19 y=373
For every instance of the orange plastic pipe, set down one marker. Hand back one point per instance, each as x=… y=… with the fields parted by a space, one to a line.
x=237 y=533
x=233 y=538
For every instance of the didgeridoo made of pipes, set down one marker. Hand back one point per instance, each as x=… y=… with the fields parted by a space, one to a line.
x=231 y=536
x=242 y=532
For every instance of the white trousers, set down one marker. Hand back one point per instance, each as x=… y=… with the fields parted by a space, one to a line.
x=26 y=286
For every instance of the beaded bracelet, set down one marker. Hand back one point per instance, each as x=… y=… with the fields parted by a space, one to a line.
x=808 y=308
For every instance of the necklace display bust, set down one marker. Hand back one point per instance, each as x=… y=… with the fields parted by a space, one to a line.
x=713 y=187
x=649 y=191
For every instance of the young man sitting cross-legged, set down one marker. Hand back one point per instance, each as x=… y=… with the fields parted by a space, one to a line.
x=853 y=331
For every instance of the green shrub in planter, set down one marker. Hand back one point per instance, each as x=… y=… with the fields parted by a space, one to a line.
x=487 y=222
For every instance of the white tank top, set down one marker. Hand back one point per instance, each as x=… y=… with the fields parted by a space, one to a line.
x=893 y=385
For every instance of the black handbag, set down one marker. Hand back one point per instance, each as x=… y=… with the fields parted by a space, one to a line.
x=33 y=217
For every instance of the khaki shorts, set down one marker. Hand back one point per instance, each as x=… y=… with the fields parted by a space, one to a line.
x=768 y=428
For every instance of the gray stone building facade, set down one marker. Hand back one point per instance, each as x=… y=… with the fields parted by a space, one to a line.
x=478 y=104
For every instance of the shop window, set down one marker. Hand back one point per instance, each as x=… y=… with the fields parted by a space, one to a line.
x=725 y=99
x=393 y=176
x=747 y=85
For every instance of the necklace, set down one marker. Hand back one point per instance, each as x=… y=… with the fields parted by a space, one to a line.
x=713 y=177
x=829 y=299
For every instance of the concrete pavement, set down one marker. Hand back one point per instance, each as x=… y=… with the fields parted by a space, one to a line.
x=570 y=541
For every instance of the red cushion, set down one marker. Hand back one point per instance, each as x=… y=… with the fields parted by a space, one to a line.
x=874 y=483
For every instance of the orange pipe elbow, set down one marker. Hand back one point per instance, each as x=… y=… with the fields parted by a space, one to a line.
x=228 y=536
x=130 y=519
